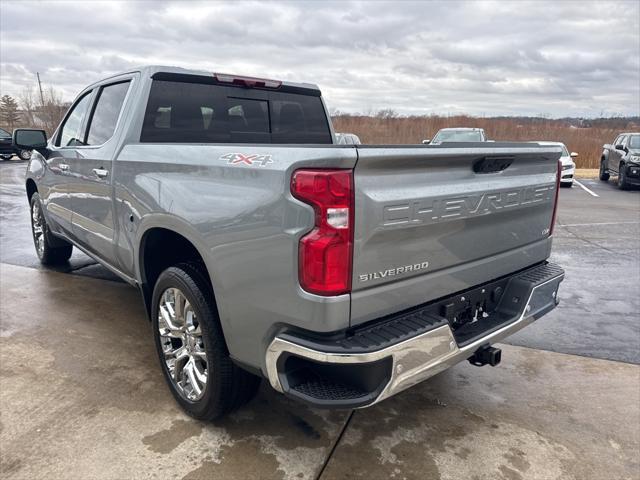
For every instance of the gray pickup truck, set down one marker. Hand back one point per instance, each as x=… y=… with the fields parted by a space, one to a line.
x=341 y=273
x=622 y=158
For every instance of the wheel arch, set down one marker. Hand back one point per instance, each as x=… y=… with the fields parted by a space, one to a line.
x=161 y=246
x=31 y=188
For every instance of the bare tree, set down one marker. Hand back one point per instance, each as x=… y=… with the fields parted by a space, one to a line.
x=28 y=104
x=53 y=110
x=46 y=116
x=387 y=113
x=9 y=115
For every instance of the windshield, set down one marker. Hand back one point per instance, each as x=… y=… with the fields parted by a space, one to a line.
x=565 y=152
x=634 y=141
x=458 y=136
x=4 y=133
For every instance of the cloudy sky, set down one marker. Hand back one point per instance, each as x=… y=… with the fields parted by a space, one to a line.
x=557 y=58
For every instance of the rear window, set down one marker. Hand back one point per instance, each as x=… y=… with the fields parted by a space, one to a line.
x=180 y=112
x=458 y=136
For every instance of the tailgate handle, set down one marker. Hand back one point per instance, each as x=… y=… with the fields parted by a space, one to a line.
x=492 y=164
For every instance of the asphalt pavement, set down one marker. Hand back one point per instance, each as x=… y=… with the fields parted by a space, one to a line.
x=597 y=242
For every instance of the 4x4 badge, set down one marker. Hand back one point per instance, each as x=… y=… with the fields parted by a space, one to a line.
x=244 y=159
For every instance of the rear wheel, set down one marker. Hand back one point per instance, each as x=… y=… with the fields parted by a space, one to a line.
x=622 y=177
x=24 y=154
x=604 y=175
x=50 y=250
x=191 y=346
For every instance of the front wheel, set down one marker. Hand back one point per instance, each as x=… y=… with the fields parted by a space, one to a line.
x=24 y=154
x=604 y=174
x=50 y=250
x=190 y=344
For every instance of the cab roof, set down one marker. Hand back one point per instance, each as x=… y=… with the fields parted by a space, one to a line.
x=151 y=70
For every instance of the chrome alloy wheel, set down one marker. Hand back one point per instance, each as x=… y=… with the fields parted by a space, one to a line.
x=182 y=344
x=37 y=227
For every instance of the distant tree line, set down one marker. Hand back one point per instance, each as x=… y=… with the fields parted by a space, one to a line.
x=584 y=136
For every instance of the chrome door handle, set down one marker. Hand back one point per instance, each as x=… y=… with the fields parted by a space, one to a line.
x=101 y=172
x=63 y=166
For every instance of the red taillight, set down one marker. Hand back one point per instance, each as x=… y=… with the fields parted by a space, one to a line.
x=555 y=201
x=247 y=81
x=325 y=254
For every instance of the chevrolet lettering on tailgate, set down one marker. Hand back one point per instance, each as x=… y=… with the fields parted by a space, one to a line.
x=432 y=210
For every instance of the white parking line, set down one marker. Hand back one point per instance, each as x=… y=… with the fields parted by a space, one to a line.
x=590 y=224
x=589 y=191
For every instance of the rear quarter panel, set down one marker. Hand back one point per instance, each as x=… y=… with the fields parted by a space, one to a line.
x=243 y=221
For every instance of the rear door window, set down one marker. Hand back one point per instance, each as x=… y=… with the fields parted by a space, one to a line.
x=183 y=112
x=106 y=112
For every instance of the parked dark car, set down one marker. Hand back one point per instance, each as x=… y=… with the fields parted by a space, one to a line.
x=622 y=158
x=7 y=150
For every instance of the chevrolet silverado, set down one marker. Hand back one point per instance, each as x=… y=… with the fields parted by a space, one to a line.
x=343 y=274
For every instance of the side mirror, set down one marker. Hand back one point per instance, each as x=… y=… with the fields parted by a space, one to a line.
x=29 y=138
x=619 y=147
x=574 y=154
x=426 y=141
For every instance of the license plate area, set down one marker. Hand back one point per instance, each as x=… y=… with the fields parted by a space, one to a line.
x=472 y=307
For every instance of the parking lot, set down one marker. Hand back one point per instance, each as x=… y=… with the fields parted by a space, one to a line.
x=82 y=395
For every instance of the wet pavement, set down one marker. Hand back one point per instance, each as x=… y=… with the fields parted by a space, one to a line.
x=16 y=243
x=597 y=242
x=82 y=395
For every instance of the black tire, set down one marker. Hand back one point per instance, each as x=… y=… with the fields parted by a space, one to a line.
x=50 y=249
x=227 y=386
x=622 y=178
x=566 y=184
x=24 y=154
x=604 y=175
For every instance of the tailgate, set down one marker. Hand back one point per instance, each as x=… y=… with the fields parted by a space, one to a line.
x=431 y=221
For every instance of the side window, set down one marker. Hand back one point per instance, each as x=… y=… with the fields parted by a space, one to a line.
x=621 y=140
x=70 y=134
x=617 y=140
x=106 y=112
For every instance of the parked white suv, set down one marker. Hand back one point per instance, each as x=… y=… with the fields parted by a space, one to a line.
x=568 y=165
x=458 y=134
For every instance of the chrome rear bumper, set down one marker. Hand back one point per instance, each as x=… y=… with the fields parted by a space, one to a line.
x=425 y=355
